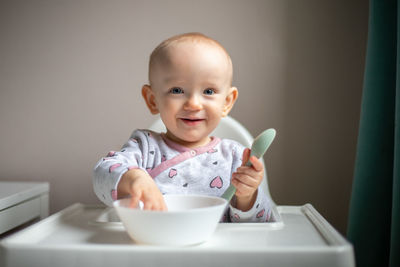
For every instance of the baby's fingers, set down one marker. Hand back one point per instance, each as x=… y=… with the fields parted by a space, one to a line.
x=134 y=201
x=257 y=165
x=246 y=156
x=243 y=189
x=244 y=179
x=154 y=202
x=247 y=171
x=147 y=205
x=163 y=205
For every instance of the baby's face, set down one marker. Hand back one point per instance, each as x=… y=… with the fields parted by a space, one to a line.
x=192 y=91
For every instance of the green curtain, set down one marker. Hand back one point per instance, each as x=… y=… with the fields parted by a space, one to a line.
x=374 y=218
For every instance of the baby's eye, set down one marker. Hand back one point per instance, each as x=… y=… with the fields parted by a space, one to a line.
x=176 y=90
x=209 y=91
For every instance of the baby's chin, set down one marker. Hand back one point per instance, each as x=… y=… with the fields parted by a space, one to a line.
x=194 y=141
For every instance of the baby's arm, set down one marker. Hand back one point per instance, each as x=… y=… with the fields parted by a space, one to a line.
x=141 y=186
x=246 y=179
x=123 y=173
x=250 y=203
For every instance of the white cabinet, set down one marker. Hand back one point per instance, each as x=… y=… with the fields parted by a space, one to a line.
x=21 y=202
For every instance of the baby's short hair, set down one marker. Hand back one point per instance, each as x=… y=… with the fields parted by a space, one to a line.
x=194 y=37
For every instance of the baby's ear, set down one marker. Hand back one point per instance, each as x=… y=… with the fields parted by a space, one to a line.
x=230 y=101
x=149 y=98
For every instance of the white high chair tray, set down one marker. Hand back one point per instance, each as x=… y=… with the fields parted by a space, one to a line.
x=75 y=236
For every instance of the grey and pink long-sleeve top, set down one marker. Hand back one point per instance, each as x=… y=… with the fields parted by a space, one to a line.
x=177 y=169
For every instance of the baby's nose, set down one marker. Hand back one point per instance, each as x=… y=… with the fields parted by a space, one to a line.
x=193 y=103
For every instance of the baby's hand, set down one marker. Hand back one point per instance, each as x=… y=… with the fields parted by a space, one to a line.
x=246 y=180
x=141 y=187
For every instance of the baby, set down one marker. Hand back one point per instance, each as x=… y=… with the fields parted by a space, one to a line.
x=190 y=86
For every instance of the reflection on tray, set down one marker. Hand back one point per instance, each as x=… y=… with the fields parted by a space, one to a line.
x=108 y=217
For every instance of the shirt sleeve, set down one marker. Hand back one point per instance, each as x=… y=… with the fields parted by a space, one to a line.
x=261 y=210
x=109 y=169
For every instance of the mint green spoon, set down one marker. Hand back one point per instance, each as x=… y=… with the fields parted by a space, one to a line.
x=258 y=148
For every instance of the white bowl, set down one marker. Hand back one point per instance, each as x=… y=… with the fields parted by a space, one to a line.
x=190 y=219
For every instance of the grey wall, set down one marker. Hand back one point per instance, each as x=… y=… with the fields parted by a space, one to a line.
x=71 y=73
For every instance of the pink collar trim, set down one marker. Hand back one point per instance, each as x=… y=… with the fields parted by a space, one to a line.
x=199 y=150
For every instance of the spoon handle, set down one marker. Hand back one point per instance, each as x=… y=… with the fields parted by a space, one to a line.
x=258 y=148
x=229 y=192
x=248 y=163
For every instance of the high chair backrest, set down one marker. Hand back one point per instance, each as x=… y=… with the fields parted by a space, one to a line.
x=229 y=128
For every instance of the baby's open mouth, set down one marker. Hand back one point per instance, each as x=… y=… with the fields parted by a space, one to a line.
x=191 y=121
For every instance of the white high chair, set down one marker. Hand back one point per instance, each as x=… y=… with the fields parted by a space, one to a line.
x=299 y=236
x=230 y=128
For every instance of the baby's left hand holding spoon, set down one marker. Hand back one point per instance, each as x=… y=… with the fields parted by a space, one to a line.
x=246 y=179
